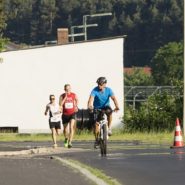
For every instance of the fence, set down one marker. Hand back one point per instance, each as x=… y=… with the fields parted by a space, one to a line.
x=141 y=93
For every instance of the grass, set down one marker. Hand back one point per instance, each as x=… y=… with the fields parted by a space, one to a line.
x=157 y=138
x=98 y=173
x=24 y=137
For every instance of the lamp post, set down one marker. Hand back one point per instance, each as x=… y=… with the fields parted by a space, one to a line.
x=184 y=86
x=134 y=99
x=93 y=15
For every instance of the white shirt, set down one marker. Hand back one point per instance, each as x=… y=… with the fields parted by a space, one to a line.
x=54 y=112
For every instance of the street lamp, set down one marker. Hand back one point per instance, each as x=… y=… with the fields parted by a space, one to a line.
x=93 y=15
x=134 y=99
x=184 y=86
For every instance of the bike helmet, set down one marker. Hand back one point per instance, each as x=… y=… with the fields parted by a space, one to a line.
x=101 y=80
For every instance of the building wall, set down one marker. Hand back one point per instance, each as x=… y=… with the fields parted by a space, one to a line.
x=28 y=77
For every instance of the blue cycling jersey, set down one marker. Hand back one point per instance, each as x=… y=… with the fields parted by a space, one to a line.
x=101 y=98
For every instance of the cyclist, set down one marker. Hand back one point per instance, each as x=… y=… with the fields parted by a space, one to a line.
x=100 y=99
x=54 y=118
x=69 y=102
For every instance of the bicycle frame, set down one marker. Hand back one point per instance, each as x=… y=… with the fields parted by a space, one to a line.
x=101 y=124
x=101 y=118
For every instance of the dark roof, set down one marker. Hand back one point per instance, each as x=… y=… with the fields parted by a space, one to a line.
x=10 y=46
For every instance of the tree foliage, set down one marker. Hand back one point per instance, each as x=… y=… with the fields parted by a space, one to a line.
x=137 y=78
x=147 y=23
x=167 y=64
x=2 y=25
x=157 y=114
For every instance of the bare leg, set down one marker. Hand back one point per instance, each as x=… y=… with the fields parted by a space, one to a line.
x=58 y=131
x=74 y=128
x=71 y=130
x=96 y=131
x=96 y=134
x=54 y=135
x=109 y=119
x=66 y=131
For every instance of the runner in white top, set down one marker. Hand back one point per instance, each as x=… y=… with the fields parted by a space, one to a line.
x=54 y=118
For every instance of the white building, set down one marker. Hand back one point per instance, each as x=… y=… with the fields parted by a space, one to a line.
x=28 y=77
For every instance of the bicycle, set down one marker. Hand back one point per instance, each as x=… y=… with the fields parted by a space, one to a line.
x=101 y=117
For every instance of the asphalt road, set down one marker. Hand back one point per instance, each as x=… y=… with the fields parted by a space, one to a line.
x=38 y=171
x=131 y=163
x=137 y=164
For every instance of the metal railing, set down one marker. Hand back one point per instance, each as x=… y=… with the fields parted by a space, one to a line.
x=141 y=93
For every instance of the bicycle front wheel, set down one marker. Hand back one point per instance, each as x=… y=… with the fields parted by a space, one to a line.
x=103 y=142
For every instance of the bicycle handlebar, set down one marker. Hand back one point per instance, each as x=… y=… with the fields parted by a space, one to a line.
x=102 y=110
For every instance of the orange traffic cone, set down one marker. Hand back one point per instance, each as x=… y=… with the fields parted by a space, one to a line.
x=178 y=140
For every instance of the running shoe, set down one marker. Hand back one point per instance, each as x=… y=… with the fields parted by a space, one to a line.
x=66 y=142
x=55 y=145
x=109 y=132
x=96 y=144
x=69 y=145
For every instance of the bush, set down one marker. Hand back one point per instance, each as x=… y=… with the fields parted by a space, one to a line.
x=157 y=114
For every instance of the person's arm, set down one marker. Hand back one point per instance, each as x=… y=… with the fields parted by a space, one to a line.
x=76 y=103
x=90 y=102
x=60 y=109
x=115 y=103
x=62 y=100
x=47 y=109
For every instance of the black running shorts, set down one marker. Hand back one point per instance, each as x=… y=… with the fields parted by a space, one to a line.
x=56 y=125
x=67 y=118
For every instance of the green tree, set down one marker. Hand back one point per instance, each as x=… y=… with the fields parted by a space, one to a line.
x=19 y=18
x=69 y=12
x=167 y=64
x=157 y=114
x=2 y=25
x=147 y=23
x=137 y=78
x=43 y=15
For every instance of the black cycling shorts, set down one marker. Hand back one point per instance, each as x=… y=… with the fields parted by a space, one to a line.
x=98 y=116
x=108 y=110
x=67 y=118
x=56 y=125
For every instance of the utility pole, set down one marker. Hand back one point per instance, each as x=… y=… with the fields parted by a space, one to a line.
x=184 y=85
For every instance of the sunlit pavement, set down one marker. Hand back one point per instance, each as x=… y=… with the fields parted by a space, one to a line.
x=38 y=171
x=20 y=166
x=131 y=163
x=134 y=163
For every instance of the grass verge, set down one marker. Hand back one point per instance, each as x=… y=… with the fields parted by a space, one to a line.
x=98 y=173
x=157 y=138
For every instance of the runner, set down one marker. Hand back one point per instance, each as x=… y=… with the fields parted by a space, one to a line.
x=54 y=118
x=69 y=102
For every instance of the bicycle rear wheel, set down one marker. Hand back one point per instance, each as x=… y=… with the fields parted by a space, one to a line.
x=103 y=142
